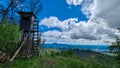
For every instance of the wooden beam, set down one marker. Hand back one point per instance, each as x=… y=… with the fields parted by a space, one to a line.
x=19 y=48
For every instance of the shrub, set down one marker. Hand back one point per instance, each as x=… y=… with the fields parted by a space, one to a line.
x=115 y=48
x=9 y=36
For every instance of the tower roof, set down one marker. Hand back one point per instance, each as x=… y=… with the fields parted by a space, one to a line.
x=27 y=14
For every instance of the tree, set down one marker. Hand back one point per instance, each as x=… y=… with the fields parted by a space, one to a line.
x=35 y=6
x=6 y=9
x=115 y=48
x=9 y=36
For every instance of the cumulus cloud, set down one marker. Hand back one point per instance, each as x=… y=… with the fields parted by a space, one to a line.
x=73 y=30
x=91 y=31
x=103 y=19
x=74 y=2
x=55 y=22
x=84 y=31
x=53 y=34
x=106 y=10
x=86 y=7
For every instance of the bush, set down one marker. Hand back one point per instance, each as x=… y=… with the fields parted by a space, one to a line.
x=9 y=36
x=67 y=53
x=115 y=48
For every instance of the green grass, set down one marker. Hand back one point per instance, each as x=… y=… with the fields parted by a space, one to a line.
x=57 y=60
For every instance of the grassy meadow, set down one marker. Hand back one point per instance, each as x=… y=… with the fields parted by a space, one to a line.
x=52 y=58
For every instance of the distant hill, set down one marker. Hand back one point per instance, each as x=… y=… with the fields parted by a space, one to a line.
x=103 y=48
x=88 y=54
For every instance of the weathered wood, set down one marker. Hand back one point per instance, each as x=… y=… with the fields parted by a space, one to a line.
x=26 y=21
x=19 y=48
x=2 y=55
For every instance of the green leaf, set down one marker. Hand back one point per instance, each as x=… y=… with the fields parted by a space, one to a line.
x=9 y=36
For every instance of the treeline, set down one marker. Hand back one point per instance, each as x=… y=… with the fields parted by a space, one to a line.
x=115 y=48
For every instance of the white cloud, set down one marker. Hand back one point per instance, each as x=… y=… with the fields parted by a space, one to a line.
x=108 y=10
x=86 y=7
x=103 y=19
x=76 y=31
x=74 y=2
x=53 y=34
x=55 y=22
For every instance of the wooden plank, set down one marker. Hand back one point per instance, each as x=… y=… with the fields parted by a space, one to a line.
x=19 y=48
x=2 y=55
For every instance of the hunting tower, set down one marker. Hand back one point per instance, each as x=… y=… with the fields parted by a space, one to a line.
x=30 y=27
x=26 y=21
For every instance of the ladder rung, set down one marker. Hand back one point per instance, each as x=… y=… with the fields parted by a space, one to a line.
x=35 y=45
x=35 y=24
x=35 y=49
x=35 y=42
x=35 y=30
x=35 y=35
x=36 y=38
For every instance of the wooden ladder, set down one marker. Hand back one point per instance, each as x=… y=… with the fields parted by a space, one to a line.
x=35 y=39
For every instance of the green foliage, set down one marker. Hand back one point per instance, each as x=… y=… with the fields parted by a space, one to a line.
x=115 y=48
x=9 y=36
x=61 y=61
x=49 y=52
x=67 y=53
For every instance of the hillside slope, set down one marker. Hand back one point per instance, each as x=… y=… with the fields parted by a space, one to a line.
x=67 y=60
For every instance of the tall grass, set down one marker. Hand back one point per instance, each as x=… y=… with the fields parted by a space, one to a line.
x=53 y=58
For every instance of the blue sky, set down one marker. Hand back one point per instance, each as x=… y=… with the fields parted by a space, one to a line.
x=79 y=21
x=61 y=9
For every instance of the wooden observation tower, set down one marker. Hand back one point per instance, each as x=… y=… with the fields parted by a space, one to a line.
x=31 y=35
x=29 y=44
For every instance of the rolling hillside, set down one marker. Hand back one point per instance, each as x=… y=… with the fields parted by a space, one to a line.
x=52 y=58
